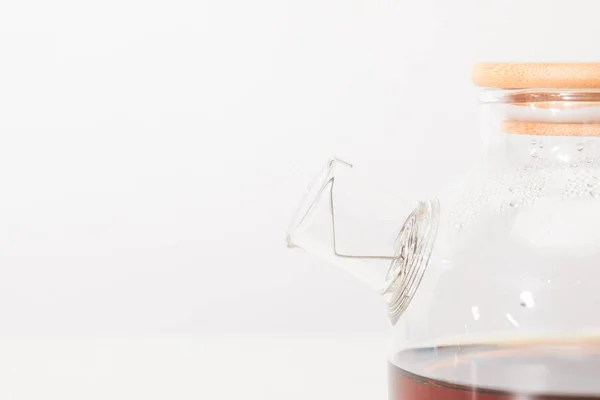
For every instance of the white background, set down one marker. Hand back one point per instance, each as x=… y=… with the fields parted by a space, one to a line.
x=153 y=152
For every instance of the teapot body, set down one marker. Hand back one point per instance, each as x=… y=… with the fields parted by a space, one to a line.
x=493 y=287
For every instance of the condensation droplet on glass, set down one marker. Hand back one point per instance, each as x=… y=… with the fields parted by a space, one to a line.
x=527 y=299
x=534 y=142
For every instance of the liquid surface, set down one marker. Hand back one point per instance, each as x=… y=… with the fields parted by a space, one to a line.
x=521 y=371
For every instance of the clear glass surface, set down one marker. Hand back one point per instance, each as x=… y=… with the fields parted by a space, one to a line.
x=507 y=258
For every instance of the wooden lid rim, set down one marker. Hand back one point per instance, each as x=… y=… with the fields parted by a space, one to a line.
x=537 y=75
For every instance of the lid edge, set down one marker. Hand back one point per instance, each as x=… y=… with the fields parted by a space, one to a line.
x=536 y=75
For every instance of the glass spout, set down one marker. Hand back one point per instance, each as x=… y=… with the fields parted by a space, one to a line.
x=381 y=240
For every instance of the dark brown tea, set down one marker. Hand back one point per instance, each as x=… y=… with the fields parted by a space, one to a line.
x=568 y=370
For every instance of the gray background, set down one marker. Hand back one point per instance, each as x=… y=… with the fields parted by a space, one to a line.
x=153 y=153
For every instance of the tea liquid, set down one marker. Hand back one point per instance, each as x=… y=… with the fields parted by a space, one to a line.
x=498 y=372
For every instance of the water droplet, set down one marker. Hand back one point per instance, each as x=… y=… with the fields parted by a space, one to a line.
x=541 y=145
x=527 y=299
x=580 y=146
x=475 y=312
x=534 y=142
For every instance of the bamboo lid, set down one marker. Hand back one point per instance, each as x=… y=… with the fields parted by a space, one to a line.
x=550 y=129
x=537 y=75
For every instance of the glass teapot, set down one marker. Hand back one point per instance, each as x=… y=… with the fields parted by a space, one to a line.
x=493 y=289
